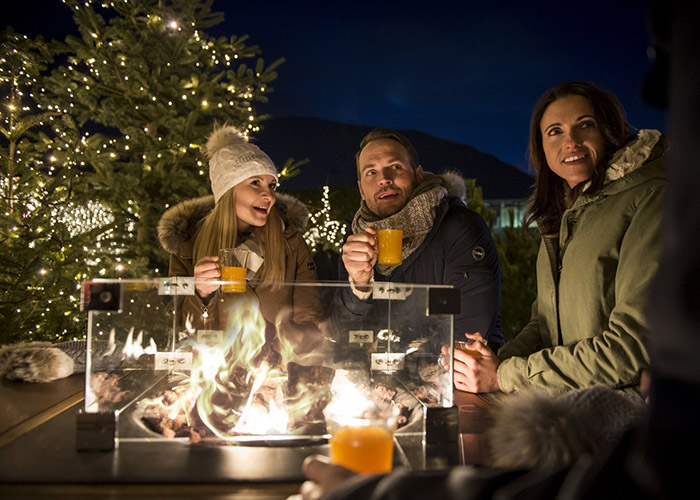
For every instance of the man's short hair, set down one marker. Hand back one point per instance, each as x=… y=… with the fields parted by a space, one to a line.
x=385 y=133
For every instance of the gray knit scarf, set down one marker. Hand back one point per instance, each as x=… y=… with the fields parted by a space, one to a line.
x=416 y=218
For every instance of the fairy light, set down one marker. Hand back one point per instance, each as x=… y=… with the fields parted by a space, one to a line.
x=323 y=230
x=80 y=219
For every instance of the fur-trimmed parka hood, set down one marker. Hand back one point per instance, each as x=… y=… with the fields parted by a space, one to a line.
x=455 y=184
x=178 y=226
x=648 y=146
x=639 y=151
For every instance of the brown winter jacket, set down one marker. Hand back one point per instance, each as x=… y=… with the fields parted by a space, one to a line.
x=176 y=231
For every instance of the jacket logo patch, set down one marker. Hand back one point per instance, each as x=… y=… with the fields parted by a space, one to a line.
x=478 y=253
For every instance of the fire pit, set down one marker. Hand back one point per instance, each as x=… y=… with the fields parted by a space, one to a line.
x=251 y=382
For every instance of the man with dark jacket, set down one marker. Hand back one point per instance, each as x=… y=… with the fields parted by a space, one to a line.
x=444 y=242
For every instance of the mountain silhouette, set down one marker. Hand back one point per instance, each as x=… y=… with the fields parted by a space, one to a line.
x=331 y=146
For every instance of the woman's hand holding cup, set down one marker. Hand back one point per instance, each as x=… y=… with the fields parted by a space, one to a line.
x=207 y=269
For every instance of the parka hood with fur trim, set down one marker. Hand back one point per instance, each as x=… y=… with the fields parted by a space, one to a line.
x=628 y=160
x=454 y=183
x=178 y=225
x=647 y=146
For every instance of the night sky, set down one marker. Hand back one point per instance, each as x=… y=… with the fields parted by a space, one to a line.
x=468 y=71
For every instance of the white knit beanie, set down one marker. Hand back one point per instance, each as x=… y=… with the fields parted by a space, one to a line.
x=232 y=160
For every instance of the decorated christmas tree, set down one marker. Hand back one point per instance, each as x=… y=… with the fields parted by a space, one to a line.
x=46 y=229
x=101 y=140
x=145 y=85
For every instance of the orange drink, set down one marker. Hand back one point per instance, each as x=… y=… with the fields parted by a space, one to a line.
x=362 y=434
x=233 y=264
x=464 y=347
x=236 y=275
x=390 y=242
x=365 y=450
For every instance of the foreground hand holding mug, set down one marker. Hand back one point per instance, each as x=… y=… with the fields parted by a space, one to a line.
x=322 y=478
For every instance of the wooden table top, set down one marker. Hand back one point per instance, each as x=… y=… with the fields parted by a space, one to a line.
x=474 y=419
x=27 y=406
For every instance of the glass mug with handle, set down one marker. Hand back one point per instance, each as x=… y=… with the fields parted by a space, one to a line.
x=364 y=442
x=232 y=262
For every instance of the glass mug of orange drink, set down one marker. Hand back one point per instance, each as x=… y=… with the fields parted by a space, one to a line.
x=232 y=262
x=363 y=443
x=389 y=242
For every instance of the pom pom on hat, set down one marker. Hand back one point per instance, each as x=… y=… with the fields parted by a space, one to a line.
x=232 y=160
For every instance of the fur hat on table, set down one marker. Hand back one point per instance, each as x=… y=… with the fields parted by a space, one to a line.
x=537 y=430
x=45 y=362
x=232 y=160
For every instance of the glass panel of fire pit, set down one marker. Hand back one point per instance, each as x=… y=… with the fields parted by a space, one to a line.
x=258 y=362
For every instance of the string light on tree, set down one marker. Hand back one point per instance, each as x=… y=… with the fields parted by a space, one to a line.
x=325 y=232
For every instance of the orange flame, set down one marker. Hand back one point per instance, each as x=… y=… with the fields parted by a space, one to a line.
x=237 y=386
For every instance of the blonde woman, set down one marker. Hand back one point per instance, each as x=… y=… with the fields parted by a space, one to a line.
x=245 y=211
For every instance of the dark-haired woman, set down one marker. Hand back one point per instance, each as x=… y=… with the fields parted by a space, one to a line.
x=597 y=203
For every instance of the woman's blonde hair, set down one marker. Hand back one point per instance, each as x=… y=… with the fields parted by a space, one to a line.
x=219 y=230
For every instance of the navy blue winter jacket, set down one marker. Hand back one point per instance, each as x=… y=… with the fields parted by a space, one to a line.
x=458 y=251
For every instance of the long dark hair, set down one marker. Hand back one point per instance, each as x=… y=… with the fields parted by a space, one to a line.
x=552 y=196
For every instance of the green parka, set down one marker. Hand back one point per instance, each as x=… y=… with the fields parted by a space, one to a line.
x=588 y=325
